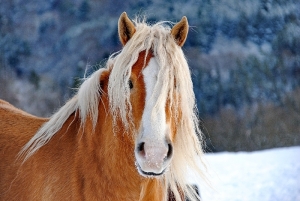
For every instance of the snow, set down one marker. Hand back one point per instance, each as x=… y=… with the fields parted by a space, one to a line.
x=268 y=175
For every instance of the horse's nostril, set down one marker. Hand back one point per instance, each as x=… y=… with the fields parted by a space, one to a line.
x=141 y=146
x=170 y=151
x=141 y=149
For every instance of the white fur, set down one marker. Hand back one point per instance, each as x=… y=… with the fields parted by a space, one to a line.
x=154 y=117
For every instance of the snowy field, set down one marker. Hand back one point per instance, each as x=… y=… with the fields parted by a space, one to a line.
x=269 y=175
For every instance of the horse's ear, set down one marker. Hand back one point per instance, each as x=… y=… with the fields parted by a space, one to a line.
x=180 y=31
x=126 y=28
x=104 y=80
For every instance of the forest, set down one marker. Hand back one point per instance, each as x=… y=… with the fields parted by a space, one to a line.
x=244 y=57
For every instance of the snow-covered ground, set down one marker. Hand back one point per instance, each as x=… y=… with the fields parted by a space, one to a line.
x=269 y=175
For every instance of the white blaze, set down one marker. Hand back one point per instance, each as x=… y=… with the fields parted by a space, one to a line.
x=152 y=155
x=154 y=123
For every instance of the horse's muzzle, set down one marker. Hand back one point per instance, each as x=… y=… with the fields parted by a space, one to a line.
x=153 y=158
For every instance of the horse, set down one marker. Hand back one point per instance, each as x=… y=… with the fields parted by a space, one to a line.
x=131 y=131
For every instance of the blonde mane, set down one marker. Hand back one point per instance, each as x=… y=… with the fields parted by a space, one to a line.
x=174 y=76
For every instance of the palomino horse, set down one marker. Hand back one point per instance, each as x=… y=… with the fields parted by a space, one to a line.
x=130 y=133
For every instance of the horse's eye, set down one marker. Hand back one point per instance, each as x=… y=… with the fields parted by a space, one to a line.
x=130 y=84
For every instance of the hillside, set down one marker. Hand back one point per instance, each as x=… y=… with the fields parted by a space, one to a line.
x=244 y=56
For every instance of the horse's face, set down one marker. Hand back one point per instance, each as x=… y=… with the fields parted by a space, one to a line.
x=153 y=140
x=155 y=126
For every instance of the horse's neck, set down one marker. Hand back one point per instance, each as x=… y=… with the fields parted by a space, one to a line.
x=105 y=167
x=105 y=164
x=152 y=189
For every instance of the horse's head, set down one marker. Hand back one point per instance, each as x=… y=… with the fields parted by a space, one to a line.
x=151 y=92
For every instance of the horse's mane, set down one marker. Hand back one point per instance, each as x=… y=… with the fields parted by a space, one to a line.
x=174 y=75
